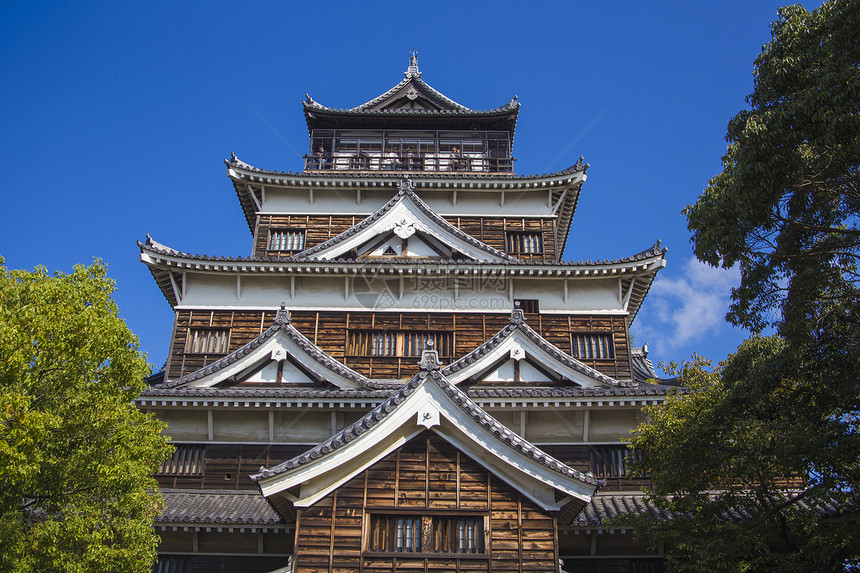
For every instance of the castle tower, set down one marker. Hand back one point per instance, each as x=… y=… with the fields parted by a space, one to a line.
x=404 y=373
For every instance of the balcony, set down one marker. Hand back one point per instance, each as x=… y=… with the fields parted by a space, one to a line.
x=417 y=151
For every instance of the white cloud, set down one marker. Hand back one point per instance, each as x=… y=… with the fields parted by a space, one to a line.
x=686 y=308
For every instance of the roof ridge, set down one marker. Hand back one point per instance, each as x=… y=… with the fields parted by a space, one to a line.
x=460 y=398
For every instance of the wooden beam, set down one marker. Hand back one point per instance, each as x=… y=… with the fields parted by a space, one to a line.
x=586 y=422
x=176 y=291
x=629 y=293
x=254 y=198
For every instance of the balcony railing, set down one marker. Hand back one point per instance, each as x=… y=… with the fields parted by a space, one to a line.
x=396 y=150
x=418 y=162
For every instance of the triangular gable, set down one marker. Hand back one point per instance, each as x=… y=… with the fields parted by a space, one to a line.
x=517 y=355
x=405 y=216
x=280 y=356
x=427 y=401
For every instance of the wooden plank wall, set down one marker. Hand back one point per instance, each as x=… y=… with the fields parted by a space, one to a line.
x=243 y=326
x=330 y=330
x=227 y=466
x=425 y=476
x=490 y=230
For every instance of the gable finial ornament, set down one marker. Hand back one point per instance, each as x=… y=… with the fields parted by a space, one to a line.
x=412 y=70
x=283 y=315
x=518 y=317
x=405 y=185
x=429 y=358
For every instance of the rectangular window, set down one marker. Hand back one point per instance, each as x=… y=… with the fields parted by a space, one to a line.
x=185 y=461
x=207 y=341
x=427 y=534
x=395 y=343
x=593 y=346
x=610 y=461
x=286 y=240
x=525 y=243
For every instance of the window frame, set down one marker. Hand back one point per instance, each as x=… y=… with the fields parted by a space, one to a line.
x=287 y=230
x=189 y=340
x=518 y=243
x=474 y=548
x=402 y=343
x=592 y=341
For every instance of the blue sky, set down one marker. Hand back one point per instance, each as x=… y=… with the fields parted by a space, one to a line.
x=116 y=118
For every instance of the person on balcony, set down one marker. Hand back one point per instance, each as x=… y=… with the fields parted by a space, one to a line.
x=389 y=160
x=411 y=159
x=458 y=161
x=319 y=160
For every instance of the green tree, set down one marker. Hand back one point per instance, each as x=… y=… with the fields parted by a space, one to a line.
x=76 y=456
x=785 y=209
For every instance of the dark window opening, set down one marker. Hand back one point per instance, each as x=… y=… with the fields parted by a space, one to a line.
x=286 y=239
x=207 y=341
x=394 y=343
x=593 y=346
x=426 y=534
x=185 y=461
x=611 y=461
x=525 y=243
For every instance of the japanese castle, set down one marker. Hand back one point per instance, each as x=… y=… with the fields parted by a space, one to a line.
x=404 y=375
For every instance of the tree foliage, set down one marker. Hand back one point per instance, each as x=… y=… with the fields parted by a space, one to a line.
x=785 y=209
x=746 y=464
x=76 y=456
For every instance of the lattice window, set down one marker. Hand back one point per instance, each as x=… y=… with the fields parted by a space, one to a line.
x=185 y=461
x=396 y=343
x=207 y=341
x=593 y=346
x=611 y=461
x=286 y=239
x=427 y=534
x=525 y=243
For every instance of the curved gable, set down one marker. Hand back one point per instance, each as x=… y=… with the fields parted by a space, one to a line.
x=280 y=356
x=409 y=220
x=517 y=355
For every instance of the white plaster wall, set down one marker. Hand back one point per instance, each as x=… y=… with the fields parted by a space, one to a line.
x=612 y=425
x=240 y=425
x=185 y=425
x=302 y=426
x=346 y=201
x=419 y=294
x=554 y=425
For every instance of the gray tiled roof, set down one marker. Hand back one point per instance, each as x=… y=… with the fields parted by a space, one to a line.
x=155 y=247
x=431 y=374
x=216 y=507
x=609 y=505
x=483 y=393
x=412 y=76
x=476 y=177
